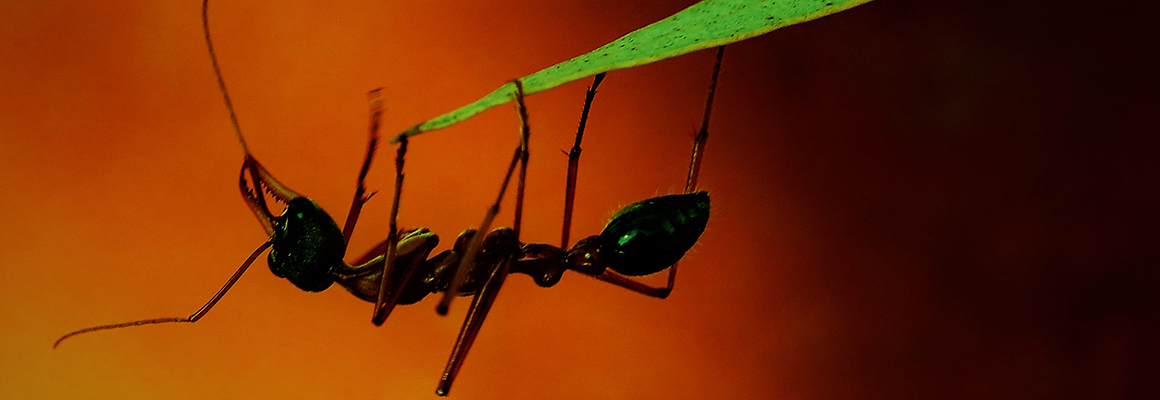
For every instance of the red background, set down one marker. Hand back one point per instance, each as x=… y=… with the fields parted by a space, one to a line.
x=910 y=200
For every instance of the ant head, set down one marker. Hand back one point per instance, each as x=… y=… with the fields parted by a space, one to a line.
x=648 y=236
x=307 y=244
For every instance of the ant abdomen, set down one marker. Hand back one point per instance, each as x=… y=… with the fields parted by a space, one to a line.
x=650 y=235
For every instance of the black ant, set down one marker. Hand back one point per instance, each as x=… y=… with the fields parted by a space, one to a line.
x=308 y=248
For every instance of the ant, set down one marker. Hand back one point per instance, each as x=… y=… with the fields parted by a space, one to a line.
x=307 y=247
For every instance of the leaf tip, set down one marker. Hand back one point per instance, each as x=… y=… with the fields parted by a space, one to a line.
x=414 y=130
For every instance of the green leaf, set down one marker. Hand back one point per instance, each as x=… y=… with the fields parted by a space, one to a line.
x=710 y=23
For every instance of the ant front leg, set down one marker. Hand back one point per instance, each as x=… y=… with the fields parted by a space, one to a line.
x=384 y=252
x=360 y=196
x=382 y=256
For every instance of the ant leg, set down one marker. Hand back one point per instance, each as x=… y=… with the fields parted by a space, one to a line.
x=628 y=283
x=372 y=143
x=193 y=317
x=485 y=297
x=480 y=305
x=476 y=243
x=523 y=150
x=391 y=286
x=574 y=161
x=380 y=313
x=703 y=134
x=690 y=186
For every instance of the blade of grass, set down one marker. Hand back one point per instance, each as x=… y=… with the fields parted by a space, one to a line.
x=707 y=24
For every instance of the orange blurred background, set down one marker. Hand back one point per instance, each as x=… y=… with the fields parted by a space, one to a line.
x=910 y=200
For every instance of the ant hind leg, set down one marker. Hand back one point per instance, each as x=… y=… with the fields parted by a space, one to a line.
x=574 y=161
x=690 y=186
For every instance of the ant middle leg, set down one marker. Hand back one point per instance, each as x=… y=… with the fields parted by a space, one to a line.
x=482 y=301
x=384 y=304
x=475 y=245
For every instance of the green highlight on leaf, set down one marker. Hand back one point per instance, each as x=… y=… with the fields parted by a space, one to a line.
x=710 y=23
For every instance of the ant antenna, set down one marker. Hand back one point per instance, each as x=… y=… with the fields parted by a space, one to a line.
x=237 y=274
x=191 y=318
x=217 y=71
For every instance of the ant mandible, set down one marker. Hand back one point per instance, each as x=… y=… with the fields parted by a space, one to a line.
x=641 y=239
